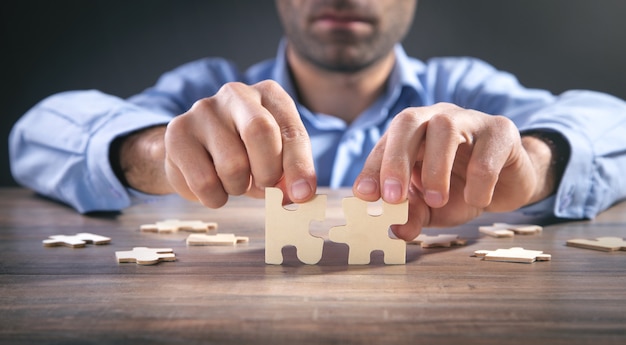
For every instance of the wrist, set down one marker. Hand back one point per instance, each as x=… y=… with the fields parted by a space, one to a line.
x=549 y=152
x=137 y=160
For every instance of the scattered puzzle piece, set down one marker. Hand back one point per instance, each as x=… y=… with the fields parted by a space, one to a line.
x=75 y=241
x=607 y=244
x=441 y=240
x=291 y=227
x=509 y=230
x=146 y=256
x=175 y=225
x=515 y=254
x=365 y=233
x=215 y=240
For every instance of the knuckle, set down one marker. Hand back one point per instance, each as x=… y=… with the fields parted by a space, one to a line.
x=273 y=95
x=271 y=89
x=268 y=85
x=176 y=125
x=234 y=168
x=229 y=93
x=444 y=122
x=483 y=170
x=293 y=133
x=407 y=118
x=201 y=106
x=176 y=133
x=445 y=107
x=258 y=128
x=231 y=88
x=503 y=130
x=503 y=123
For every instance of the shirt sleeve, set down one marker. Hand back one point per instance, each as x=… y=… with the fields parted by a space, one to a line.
x=60 y=148
x=593 y=123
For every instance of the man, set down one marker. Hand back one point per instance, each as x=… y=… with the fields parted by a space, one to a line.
x=340 y=105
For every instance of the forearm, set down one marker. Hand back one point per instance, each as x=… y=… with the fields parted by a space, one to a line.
x=138 y=160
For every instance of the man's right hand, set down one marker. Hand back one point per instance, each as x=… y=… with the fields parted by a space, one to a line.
x=239 y=141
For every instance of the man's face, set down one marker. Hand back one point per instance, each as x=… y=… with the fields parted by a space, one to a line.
x=344 y=35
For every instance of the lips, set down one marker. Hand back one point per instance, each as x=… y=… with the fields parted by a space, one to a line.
x=342 y=20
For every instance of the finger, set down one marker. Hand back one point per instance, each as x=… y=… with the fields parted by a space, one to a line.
x=367 y=185
x=257 y=131
x=491 y=150
x=254 y=191
x=228 y=117
x=404 y=137
x=177 y=180
x=418 y=217
x=191 y=167
x=231 y=162
x=441 y=144
x=297 y=156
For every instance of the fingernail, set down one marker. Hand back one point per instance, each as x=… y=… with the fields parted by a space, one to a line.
x=392 y=190
x=367 y=186
x=433 y=198
x=301 y=190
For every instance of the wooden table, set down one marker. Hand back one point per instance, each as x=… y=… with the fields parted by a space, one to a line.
x=229 y=295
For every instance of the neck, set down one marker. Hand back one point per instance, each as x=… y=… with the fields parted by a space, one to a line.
x=345 y=95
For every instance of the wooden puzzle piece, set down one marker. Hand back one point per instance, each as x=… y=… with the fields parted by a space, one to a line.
x=365 y=233
x=515 y=254
x=76 y=241
x=509 y=230
x=291 y=227
x=215 y=240
x=146 y=256
x=607 y=244
x=175 y=225
x=441 y=240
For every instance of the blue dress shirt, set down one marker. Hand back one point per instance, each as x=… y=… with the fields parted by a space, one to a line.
x=60 y=147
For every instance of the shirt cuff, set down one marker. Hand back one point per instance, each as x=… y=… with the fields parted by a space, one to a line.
x=112 y=194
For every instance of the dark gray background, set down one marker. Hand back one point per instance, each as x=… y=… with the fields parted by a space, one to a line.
x=122 y=46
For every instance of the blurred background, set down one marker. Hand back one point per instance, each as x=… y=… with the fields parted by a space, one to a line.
x=122 y=46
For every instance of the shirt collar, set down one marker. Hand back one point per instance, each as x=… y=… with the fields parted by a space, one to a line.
x=404 y=76
x=406 y=72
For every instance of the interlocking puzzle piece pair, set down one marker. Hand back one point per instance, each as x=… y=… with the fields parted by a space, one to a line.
x=509 y=230
x=363 y=233
x=76 y=241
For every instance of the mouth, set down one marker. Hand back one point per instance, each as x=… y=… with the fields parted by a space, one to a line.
x=342 y=21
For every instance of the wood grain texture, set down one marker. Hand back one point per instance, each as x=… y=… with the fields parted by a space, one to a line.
x=228 y=295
